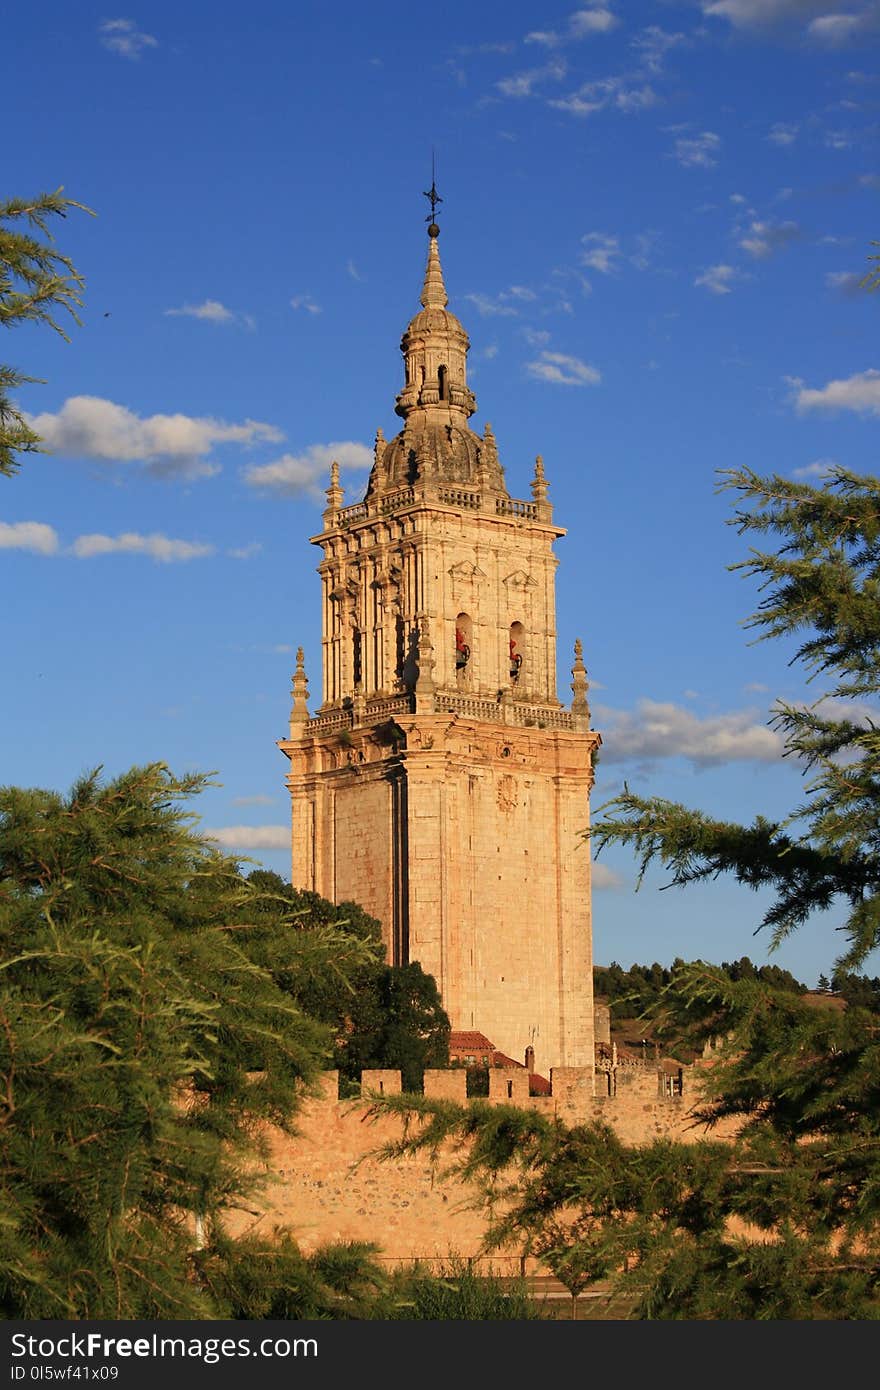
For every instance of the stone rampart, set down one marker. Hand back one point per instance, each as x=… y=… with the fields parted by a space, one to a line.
x=328 y=1183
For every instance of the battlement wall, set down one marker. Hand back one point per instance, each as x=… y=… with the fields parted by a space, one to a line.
x=329 y=1183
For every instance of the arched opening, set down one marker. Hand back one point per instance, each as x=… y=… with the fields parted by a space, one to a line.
x=442 y=383
x=464 y=633
x=516 y=650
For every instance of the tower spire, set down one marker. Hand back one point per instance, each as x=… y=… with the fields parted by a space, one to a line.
x=433 y=294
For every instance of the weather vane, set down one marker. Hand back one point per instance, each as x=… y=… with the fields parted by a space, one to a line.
x=433 y=196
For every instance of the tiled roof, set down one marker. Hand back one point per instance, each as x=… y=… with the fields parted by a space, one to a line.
x=470 y=1042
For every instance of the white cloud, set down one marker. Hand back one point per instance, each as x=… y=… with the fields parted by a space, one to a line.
x=28 y=535
x=845 y=282
x=122 y=36
x=836 y=29
x=698 y=151
x=653 y=44
x=666 y=730
x=158 y=547
x=211 y=311
x=602 y=252
x=604 y=92
x=251 y=836
x=603 y=877
x=170 y=445
x=783 y=133
x=738 y=198
x=597 y=19
x=259 y=799
x=819 y=468
x=488 y=307
x=353 y=271
x=763 y=238
x=292 y=474
x=245 y=552
x=305 y=301
x=577 y=105
x=522 y=84
x=563 y=370
x=860 y=393
x=719 y=279
x=745 y=13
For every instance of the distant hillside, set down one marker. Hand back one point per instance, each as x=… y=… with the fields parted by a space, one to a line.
x=631 y=994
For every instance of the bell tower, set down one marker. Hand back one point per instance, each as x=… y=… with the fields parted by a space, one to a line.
x=441 y=784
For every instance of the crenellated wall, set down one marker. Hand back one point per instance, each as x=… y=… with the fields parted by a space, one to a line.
x=329 y=1183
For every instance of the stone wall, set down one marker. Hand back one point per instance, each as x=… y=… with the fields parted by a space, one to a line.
x=329 y=1184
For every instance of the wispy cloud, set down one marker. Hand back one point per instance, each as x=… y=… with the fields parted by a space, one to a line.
x=763 y=238
x=747 y=14
x=170 y=445
x=353 y=271
x=563 y=370
x=783 y=133
x=122 y=36
x=604 y=878
x=845 y=282
x=294 y=474
x=653 y=44
x=719 y=279
x=625 y=94
x=245 y=552
x=656 y=730
x=698 y=151
x=819 y=468
x=602 y=252
x=157 y=547
x=523 y=84
x=597 y=18
x=859 y=393
x=246 y=837
x=28 y=535
x=211 y=311
x=836 y=30
x=258 y=799
x=305 y=301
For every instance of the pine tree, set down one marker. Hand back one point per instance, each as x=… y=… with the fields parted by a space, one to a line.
x=147 y=1035
x=36 y=281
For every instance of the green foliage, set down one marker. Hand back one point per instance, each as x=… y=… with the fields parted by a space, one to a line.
x=382 y=1016
x=633 y=993
x=457 y=1294
x=36 y=281
x=146 y=1034
x=871 y=279
x=253 y=1280
x=823 y=580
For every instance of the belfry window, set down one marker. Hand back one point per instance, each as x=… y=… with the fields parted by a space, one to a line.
x=516 y=643
x=463 y=641
x=442 y=383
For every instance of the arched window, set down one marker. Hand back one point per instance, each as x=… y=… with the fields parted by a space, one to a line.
x=464 y=631
x=442 y=384
x=516 y=650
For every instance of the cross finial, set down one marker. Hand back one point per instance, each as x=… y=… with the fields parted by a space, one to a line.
x=433 y=198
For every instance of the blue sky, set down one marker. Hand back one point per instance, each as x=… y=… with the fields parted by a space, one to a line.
x=654 y=219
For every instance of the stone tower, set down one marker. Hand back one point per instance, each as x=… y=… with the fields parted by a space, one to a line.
x=441 y=784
